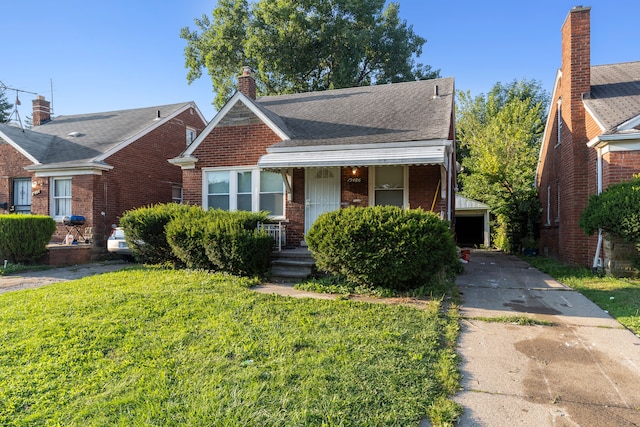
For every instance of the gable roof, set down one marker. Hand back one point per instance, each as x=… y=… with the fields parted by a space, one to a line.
x=367 y=114
x=87 y=139
x=393 y=123
x=615 y=94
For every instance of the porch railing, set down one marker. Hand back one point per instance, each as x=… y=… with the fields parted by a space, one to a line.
x=277 y=232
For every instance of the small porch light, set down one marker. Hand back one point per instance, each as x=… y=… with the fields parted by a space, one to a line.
x=354 y=171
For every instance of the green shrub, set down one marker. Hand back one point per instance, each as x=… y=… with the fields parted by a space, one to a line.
x=385 y=246
x=616 y=210
x=185 y=235
x=24 y=238
x=145 y=232
x=235 y=245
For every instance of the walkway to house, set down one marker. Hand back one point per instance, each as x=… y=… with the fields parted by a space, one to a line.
x=582 y=371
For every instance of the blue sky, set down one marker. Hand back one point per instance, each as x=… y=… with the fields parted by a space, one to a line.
x=104 y=56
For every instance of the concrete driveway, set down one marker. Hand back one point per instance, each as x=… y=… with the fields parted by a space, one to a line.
x=582 y=371
x=35 y=279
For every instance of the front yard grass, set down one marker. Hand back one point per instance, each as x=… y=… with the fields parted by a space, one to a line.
x=148 y=346
x=618 y=296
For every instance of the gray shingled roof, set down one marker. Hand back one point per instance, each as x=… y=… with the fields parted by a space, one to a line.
x=98 y=133
x=615 y=93
x=362 y=115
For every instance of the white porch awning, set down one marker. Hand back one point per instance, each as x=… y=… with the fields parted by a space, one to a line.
x=429 y=155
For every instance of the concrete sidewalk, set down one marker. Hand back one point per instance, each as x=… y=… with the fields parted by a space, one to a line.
x=582 y=371
x=36 y=279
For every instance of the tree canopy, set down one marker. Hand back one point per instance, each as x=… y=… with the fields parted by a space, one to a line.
x=499 y=136
x=303 y=45
x=5 y=107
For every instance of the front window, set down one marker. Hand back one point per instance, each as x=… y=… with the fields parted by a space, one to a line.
x=218 y=185
x=271 y=193
x=61 y=195
x=245 y=189
x=389 y=184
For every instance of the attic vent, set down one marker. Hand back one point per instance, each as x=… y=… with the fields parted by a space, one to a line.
x=157 y=115
x=436 y=92
x=74 y=134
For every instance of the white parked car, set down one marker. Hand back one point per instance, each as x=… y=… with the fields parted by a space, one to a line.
x=117 y=244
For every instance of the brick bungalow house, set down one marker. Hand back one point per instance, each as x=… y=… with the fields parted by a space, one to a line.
x=300 y=155
x=94 y=165
x=592 y=140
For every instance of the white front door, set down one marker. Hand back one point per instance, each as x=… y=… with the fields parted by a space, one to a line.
x=322 y=193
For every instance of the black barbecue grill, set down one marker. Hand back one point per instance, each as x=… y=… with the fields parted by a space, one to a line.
x=72 y=224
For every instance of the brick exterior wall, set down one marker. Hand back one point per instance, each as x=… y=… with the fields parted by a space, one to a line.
x=236 y=145
x=141 y=176
x=568 y=167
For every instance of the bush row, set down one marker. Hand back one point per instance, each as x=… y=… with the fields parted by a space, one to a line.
x=24 y=238
x=385 y=246
x=189 y=236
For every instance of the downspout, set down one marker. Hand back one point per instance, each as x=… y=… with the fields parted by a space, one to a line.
x=596 y=257
x=450 y=186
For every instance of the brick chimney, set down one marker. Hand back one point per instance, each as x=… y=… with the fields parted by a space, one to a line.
x=576 y=63
x=41 y=111
x=246 y=83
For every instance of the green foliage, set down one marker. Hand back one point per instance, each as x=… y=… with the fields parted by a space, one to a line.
x=300 y=46
x=148 y=346
x=233 y=243
x=5 y=107
x=24 y=238
x=185 y=235
x=616 y=210
x=499 y=140
x=145 y=232
x=385 y=246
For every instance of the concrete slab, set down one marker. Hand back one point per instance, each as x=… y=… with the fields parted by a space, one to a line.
x=584 y=370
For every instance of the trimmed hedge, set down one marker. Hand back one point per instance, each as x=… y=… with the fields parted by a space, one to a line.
x=616 y=210
x=144 y=229
x=235 y=245
x=385 y=246
x=212 y=240
x=221 y=241
x=24 y=238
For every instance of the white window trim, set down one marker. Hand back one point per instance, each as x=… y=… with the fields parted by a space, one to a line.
x=548 y=204
x=557 y=201
x=405 y=185
x=233 y=188
x=559 y=119
x=52 y=198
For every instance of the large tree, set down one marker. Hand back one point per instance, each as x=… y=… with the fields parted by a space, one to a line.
x=5 y=107
x=299 y=46
x=499 y=136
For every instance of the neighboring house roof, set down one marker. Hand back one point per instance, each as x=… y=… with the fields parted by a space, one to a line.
x=85 y=140
x=615 y=94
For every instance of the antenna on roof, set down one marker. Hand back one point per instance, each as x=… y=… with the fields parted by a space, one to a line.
x=15 y=111
x=51 y=104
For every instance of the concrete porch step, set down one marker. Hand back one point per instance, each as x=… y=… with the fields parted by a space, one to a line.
x=290 y=265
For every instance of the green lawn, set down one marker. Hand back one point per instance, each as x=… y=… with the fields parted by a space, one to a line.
x=620 y=297
x=154 y=347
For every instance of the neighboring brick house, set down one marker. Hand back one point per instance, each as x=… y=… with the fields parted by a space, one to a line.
x=592 y=140
x=300 y=155
x=94 y=165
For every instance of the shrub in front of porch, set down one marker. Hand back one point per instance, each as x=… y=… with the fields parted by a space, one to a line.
x=385 y=246
x=24 y=238
x=144 y=229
